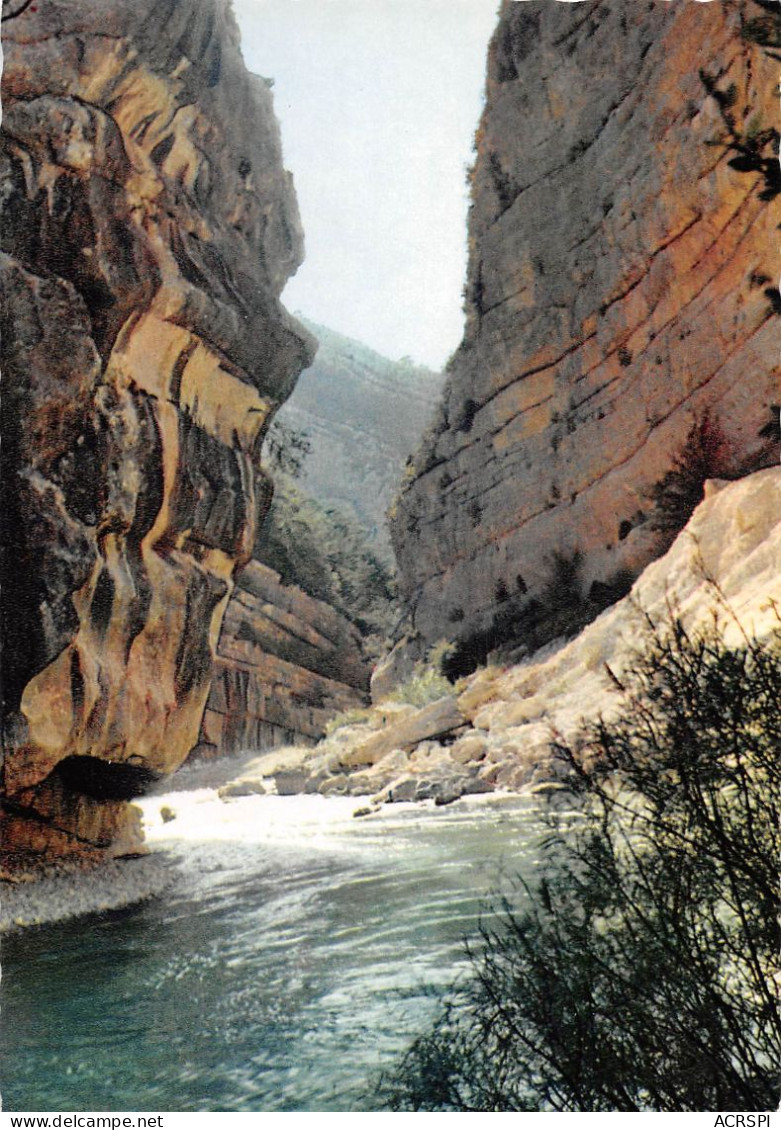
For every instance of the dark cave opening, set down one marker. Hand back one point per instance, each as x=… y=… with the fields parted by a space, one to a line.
x=105 y=780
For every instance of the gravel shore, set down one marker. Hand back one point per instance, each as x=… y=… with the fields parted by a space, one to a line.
x=110 y=887
x=113 y=885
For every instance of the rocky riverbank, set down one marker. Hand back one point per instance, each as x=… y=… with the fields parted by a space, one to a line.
x=491 y=731
x=495 y=729
x=72 y=893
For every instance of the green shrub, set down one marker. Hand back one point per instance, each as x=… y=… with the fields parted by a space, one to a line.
x=564 y=590
x=354 y=717
x=286 y=449
x=639 y=969
x=755 y=151
x=427 y=682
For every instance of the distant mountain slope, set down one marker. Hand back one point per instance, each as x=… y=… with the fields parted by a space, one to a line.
x=364 y=415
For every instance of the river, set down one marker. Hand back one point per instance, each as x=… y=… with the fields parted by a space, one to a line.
x=297 y=952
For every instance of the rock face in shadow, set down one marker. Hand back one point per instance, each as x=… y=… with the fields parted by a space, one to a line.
x=620 y=301
x=363 y=415
x=286 y=663
x=149 y=227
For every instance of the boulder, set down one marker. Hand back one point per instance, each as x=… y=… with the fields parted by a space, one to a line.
x=472 y=747
x=432 y=721
x=241 y=788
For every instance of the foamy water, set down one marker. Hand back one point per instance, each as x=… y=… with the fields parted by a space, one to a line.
x=299 y=950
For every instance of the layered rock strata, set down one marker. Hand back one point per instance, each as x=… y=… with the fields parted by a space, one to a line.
x=149 y=227
x=620 y=300
x=495 y=730
x=286 y=663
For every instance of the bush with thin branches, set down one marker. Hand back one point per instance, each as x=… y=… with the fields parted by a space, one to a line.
x=639 y=970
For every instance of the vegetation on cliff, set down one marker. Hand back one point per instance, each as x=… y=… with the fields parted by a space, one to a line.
x=704 y=455
x=640 y=970
x=326 y=552
x=362 y=414
x=336 y=448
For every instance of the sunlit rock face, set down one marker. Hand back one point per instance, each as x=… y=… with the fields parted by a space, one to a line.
x=719 y=578
x=149 y=227
x=498 y=728
x=620 y=295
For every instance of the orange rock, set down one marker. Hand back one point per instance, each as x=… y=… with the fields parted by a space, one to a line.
x=620 y=290
x=144 y=350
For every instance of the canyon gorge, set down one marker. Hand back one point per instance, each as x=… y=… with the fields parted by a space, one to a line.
x=621 y=328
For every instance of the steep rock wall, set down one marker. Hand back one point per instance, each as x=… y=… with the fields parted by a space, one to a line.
x=719 y=580
x=149 y=227
x=286 y=663
x=619 y=297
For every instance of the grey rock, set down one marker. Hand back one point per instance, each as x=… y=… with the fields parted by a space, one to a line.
x=290 y=782
x=402 y=790
x=472 y=747
x=447 y=796
x=430 y=721
x=366 y=810
x=241 y=788
x=338 y=785
x=474 y=786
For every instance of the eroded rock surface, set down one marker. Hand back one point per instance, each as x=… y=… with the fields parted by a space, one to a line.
x=497 y=728
x=286 y=663
x=149 y=227
x=620 y=295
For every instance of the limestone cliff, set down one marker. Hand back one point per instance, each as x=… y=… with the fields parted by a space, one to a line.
x=496 y=727
x=619 y=309
x=149 y=227
x=286 y=663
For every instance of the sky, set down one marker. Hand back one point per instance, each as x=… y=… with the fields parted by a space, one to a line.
x=378 y=102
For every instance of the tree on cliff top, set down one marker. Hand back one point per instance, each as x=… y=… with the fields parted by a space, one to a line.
x=641 y=970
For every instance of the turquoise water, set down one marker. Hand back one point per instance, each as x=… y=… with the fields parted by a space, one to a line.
x=299 y=950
